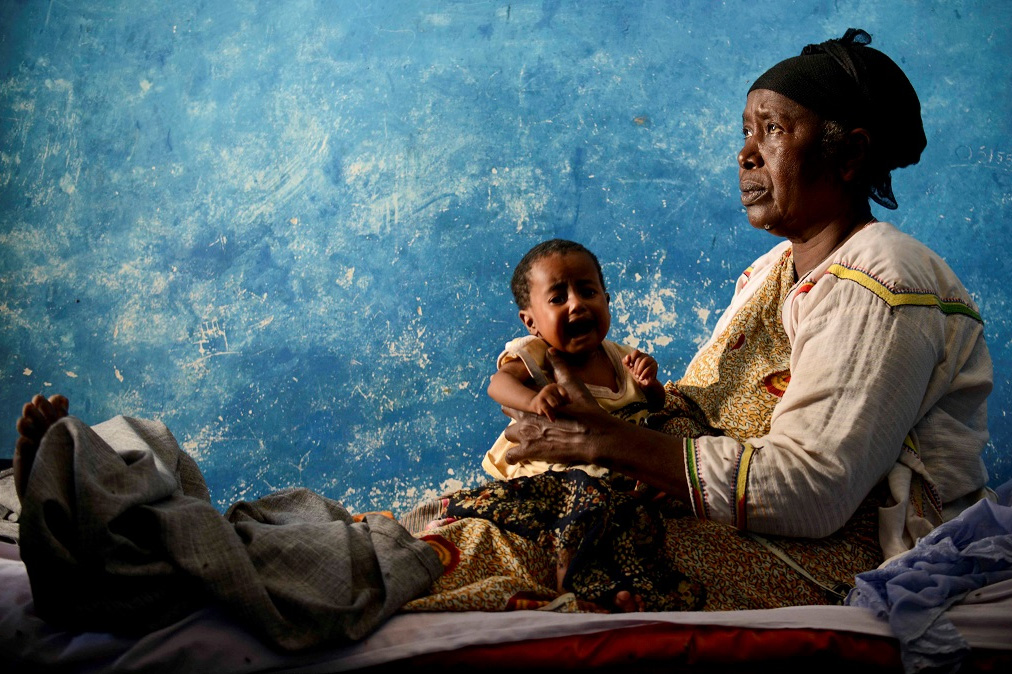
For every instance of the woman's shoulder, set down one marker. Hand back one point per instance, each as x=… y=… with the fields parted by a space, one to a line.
x=884 y=242
x=886 y=260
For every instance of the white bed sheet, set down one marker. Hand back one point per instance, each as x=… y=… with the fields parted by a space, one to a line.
x=208 y=641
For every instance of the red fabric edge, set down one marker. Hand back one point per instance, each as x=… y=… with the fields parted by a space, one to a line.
x=670 y=647
x=682 y=644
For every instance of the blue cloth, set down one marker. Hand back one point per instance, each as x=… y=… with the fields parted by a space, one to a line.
x=914 y=590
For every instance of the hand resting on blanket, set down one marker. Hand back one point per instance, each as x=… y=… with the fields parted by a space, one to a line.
x=585 y=433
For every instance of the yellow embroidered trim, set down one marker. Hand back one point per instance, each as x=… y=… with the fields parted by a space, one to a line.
x=899 y=298
x=741 y=487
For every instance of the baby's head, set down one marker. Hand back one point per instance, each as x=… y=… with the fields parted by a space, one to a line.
x=559 y=287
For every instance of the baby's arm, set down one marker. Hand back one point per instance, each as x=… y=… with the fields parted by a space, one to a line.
x=644 y=370
x=509 y=387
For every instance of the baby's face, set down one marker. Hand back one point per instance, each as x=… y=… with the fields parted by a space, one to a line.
x=569 y=307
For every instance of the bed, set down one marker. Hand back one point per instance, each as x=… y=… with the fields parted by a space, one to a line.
x=208 y=641
x=959 y=614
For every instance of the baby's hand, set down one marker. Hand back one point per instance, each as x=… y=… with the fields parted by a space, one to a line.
x=642 y=367
x=548 y=400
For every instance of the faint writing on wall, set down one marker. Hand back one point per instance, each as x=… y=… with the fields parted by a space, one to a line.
x=984 y=155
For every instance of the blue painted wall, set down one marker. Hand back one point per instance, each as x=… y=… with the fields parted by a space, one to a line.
x=286 y=228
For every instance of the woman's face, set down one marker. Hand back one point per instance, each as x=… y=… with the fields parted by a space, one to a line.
x=788 y=187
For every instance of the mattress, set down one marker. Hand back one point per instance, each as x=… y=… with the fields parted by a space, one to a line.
x=208 y=640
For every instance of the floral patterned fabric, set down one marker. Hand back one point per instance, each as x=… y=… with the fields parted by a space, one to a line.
x=732 y=386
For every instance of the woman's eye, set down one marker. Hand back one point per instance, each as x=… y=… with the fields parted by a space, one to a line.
x=746 y=133
x=771 y=127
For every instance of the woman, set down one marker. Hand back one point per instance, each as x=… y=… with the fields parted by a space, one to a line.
x=836 y=414
x=884 y=341
x=877 y=438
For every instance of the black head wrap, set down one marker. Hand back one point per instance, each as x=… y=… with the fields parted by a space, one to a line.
x=848 y=82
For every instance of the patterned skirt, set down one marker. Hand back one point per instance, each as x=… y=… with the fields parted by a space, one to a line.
x=567 y=541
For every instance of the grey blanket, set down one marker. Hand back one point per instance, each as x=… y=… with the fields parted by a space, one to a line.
x=118 y=534
x=10 y=507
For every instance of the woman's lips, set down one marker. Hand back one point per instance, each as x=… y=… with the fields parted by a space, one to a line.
x=751 y=193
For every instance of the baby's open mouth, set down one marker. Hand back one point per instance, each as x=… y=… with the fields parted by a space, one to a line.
x=580 y=328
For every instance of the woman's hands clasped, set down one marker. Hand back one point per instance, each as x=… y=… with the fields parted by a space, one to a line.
x=582 y=431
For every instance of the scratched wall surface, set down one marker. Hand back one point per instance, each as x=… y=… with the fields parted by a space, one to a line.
x=286 y=229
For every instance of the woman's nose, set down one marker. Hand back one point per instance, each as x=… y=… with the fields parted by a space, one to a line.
x=749 y=157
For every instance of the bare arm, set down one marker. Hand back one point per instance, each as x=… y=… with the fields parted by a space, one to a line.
x=585 y=433
x=509 y=387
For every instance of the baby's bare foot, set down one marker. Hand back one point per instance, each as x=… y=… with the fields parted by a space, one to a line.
x=627 y=602
x=36 y=418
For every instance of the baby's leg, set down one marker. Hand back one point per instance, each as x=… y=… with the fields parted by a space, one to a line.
x=562 y=568
x=623 y=601
x=36 y=418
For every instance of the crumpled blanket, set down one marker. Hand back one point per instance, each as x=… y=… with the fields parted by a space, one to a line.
x=913 y=591
x=118 y=534
x=10 y=508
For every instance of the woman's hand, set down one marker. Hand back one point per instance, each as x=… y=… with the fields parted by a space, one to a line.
x=585 y=433
x=577 y=436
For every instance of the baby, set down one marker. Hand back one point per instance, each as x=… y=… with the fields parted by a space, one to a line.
x=560 y=290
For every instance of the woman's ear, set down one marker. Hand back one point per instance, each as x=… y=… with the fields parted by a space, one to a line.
x=527 y=318
x=854 y=155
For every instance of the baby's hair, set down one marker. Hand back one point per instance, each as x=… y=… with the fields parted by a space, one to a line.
x=520 y=283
